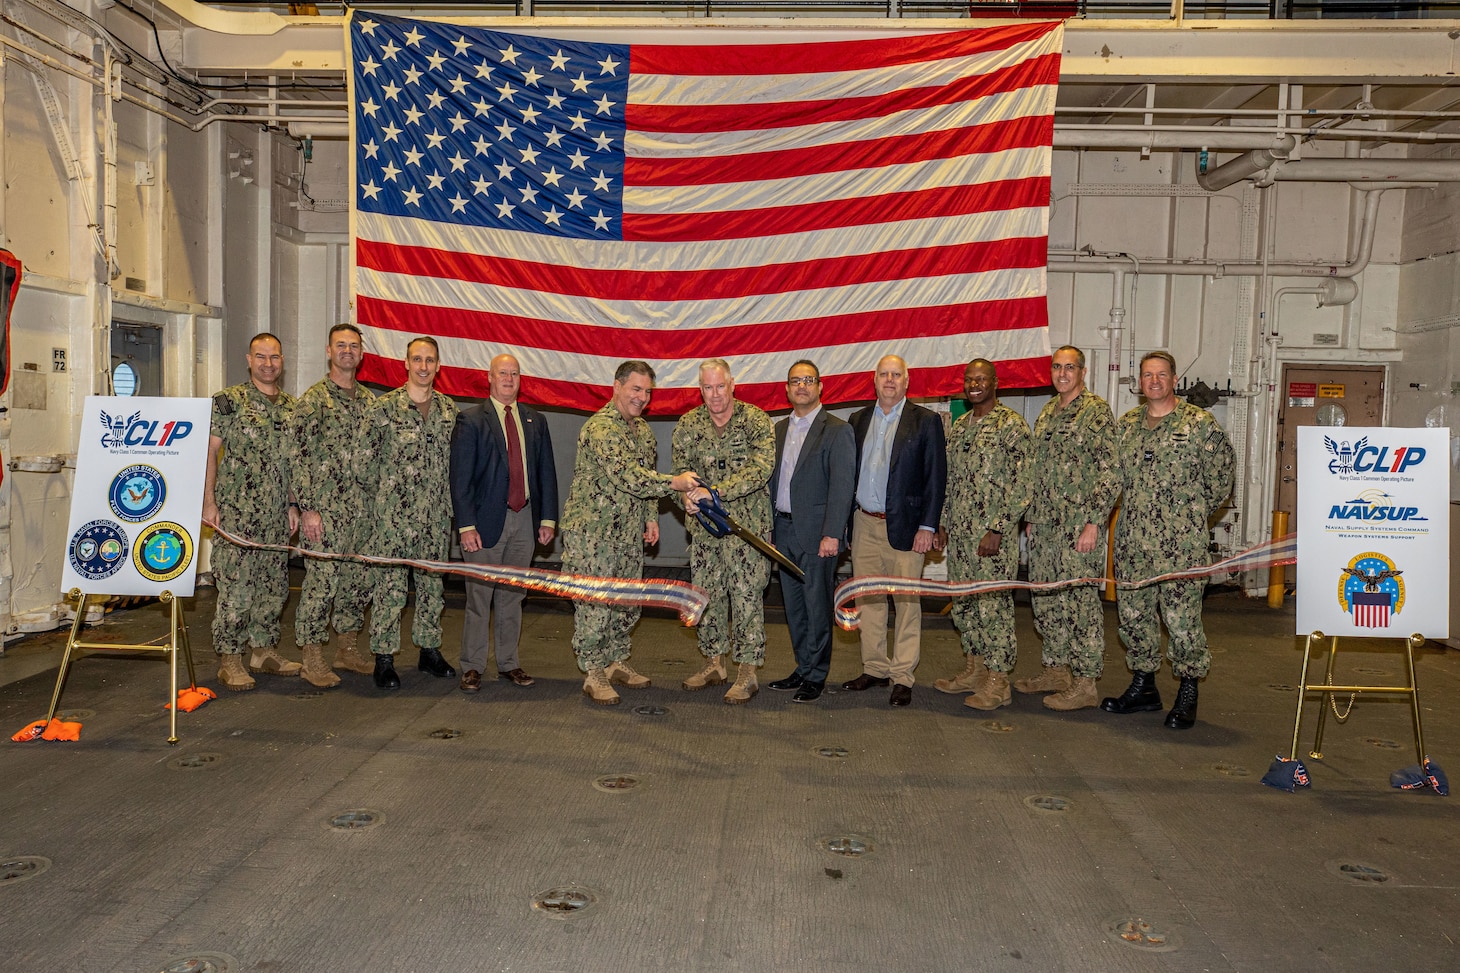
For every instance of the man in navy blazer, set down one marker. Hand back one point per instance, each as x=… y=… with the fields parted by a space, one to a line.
x=500 y=520
x=811 y=490
x=902 y=473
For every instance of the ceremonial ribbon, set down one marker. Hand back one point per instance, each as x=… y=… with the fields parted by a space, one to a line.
x=680 y=596
x=1283 y=550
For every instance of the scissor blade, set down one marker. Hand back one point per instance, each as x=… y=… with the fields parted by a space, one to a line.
x=767 y=548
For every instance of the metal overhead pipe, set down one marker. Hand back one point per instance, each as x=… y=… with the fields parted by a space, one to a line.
x=1352 y=268
x=1367 y=172
x=1245 y=166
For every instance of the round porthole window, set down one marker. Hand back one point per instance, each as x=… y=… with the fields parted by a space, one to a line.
x=124 y=379
x=1327 y=414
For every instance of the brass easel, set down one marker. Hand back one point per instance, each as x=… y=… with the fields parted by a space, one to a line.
x=177 y=638
x=1328 y=689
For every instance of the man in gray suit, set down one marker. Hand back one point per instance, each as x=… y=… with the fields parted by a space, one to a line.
x=812 y=486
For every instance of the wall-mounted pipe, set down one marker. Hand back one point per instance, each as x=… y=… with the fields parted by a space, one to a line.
x=1245 y=166
x=1350 y=268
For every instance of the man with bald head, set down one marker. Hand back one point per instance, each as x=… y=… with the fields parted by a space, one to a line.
x=504 y=495
x=901 y=479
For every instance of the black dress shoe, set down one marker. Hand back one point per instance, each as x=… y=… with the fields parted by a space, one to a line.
x=864 y=682
x=901 y=696
x=793 y=681
x=1183 y=711
x=432 y=662
x=516 y=676
x=385 y=677
x=1141 y=696
x=807 y=692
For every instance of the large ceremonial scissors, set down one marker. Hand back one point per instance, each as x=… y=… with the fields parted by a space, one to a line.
x=717 y=522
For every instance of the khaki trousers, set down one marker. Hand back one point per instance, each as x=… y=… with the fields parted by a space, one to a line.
x=871 y=554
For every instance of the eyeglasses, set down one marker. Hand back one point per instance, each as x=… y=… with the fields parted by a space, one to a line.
x=803 y=381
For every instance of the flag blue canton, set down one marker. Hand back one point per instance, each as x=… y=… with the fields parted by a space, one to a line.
x=481 y=128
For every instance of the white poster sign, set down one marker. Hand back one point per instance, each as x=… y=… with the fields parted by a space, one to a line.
x=1373 y=531
x=138 y=502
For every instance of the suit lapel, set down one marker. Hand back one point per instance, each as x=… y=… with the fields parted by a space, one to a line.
x=496 y=436
x=812 y=442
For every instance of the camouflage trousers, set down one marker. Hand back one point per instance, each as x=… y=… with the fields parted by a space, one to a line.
x=387 y=599
x=985 y=622
x=1179 y=606
x=252 y=589
x=602 y=634
x=341 y=585
x=735 y=576
x=1070 y=621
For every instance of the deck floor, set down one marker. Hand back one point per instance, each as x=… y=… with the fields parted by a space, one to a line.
x=1021 y=839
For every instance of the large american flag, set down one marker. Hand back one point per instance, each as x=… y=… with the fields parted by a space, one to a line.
x=577 y=204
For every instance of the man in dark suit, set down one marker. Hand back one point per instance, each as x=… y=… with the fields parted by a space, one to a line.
x=811 y=489
x=902 y=473
x=504 y=494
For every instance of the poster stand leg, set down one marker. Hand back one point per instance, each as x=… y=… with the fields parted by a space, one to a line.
x=177 y=639
x=1327 y=688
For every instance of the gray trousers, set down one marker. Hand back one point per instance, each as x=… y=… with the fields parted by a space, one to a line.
x=514 y=549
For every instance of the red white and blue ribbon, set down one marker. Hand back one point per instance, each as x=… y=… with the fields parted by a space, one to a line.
x=683 y=598
x=1283 y=550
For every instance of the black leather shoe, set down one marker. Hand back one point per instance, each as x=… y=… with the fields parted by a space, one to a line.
x=385 y=677
x=807 y=692
x=1141 y=696
x=864 y=682
x=793 y=681
x=1183 y=711
x=901 y=696
x=432 y=662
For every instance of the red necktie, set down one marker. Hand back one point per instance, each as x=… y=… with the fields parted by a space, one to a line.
x=516 y=477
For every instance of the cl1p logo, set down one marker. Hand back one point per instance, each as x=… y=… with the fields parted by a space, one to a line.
x=136 y=432
x=98 y=550
x=163 y=552
x=1363 y=458
x=137 y=493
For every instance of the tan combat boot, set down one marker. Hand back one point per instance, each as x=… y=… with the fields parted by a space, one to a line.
x=621 y=673
x=1054 y=679
x=348 y=655
x=970 y=680
x=269 y=660
x=597 y=688
x=315 y=672
x=1080 y=695
x=232 y=674
x=713 y=674
x=993 y=693
x=745 y=685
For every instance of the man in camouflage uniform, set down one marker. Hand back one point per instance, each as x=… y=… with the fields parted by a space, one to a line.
x=612 y=512
x=1176 y=467
x=732 y=444
x=246 y=492
x=404 y=465
x=988 y=489
x=327 y=422
x=1073 y=489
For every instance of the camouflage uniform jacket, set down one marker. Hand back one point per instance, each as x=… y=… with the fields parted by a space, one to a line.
x=326 y=428
x=403 y=464
x=736 y=462
x=616 y=488
x=1175 y=477
x=251 y=487
x=988 y=473
x=1074 y=481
